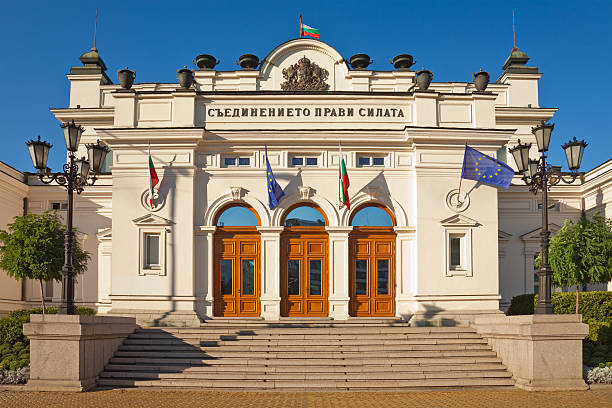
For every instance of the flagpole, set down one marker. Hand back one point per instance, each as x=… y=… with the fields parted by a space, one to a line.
x=340 y=176
x=300 y=25
x=459 y=202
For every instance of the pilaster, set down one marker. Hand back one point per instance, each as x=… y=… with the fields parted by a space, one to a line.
x=426 y=108
x=248 y=80
x=406 y=269
x=204 y=249
x=360 y=80
x=270 y=272
x=183 y=108
x=339 y=272
x=483 y=108
x=125 y=108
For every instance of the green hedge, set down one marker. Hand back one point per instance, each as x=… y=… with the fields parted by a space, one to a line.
x=592 y=305
x=14 y=346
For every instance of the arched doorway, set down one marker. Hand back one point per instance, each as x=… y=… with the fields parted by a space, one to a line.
x=237 y=275
x=372 y=262
x=304 y=262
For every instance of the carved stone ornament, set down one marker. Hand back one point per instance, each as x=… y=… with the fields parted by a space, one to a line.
x=457 y=201
x=372 y=192
x=305 y=192
x=304 y=76
x=236 y=192
x=158 y=201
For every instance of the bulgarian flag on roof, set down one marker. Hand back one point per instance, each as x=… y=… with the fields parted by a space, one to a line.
x=153 y=179
x=308 y=31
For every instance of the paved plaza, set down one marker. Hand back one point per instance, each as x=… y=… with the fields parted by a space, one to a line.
x=600 y=397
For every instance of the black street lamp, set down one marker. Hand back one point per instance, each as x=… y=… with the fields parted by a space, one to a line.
x=540 y=176
x=74 y=177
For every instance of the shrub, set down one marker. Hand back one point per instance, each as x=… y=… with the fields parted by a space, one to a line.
x=599 y=332
x=85 y=311
x=593 y=305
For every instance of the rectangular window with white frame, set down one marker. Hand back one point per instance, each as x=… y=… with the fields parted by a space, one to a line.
x=458 y=248
x=304 y=160
x=370 y=160
x=236 y=161
x=152 y=251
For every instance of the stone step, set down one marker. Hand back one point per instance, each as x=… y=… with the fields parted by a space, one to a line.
x=306 y=356
x=308 y=384
x=239 y=347
x=373 y=376
x=314 y=337
x=293 y=329
x=301 y=343
x=303 y=361
x=407 y=369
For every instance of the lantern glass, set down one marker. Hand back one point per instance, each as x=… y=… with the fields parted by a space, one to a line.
x=97 y=154
x=82 y=170
x=520 y=153
x=542 y=134
x=532 y=168
x=72 y=135
x=39 y=153
x=574 y=150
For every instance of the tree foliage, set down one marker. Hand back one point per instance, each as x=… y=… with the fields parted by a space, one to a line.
x=581 y=252
x=32 y=247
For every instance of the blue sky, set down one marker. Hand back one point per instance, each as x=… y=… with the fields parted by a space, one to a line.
x=569 y=41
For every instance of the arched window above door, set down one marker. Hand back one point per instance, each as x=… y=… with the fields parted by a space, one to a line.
x=304 y=216
x=237 y=216
x=372 y=215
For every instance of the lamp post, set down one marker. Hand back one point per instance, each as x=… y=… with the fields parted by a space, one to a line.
x=539 y=176
x=76 y=174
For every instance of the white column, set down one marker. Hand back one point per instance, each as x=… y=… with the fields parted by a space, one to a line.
x=406 y=277
x=105 y=250
x=270 y=272
x=204 y=270
x=339 y=272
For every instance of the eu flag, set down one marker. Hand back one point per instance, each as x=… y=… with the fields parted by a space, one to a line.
x=480 y=167
x=275 y=192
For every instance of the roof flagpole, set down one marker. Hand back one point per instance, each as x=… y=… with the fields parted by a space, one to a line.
x=300 y=25
x=514 y=48
x=95 y=32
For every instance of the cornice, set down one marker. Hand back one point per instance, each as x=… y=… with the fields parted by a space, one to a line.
x=85 y=116
x=178 y=137
x=436 y=136
x=514 y=114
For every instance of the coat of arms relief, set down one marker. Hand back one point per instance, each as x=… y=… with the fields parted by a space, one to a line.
x=305 y=76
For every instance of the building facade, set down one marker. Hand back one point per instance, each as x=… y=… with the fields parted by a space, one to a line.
x=211 y=246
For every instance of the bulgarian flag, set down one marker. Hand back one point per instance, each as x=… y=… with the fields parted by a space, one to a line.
x=344 y=183
x=308 y=31
x=153 y=179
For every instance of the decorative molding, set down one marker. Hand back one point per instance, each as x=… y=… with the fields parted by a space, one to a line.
x=158 y=201
x=305 y=192
x=459 y=220
x=151 y=220
x=105 y=234
x=535 y=236
x=456 y=203
x=305 y=76
x=372 y=192
x=236 y=192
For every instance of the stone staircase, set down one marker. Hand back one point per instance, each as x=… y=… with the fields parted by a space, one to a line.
x=307 y=354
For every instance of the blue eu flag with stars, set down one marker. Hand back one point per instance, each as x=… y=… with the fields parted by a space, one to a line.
x=480 y=167
x=275 y=192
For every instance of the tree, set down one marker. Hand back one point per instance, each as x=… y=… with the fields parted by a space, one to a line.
x=32 y=247
x=581 y=253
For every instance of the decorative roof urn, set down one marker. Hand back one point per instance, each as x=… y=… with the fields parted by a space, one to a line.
x=360 y=61
x=403 y=62
x=248 y=62
x=481 y=80
x=185 y=77
x=205 y=61
x=423 y=79
x=126 y=77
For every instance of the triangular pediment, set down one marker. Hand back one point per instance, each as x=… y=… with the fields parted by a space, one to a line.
x=503 y=236
x=534 y=235
x=459 y=220
x=151 y=220
x=106 y=233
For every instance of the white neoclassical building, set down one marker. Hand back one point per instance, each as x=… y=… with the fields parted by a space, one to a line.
x=212 y=246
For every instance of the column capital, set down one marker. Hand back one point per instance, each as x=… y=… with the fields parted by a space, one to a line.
x=339 y=230
x=204 y=230
x=270 y=230
x=404 y=230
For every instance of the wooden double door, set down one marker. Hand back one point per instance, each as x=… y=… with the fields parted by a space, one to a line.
x=237 y=276
x=372 y=273
x=304 y=274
